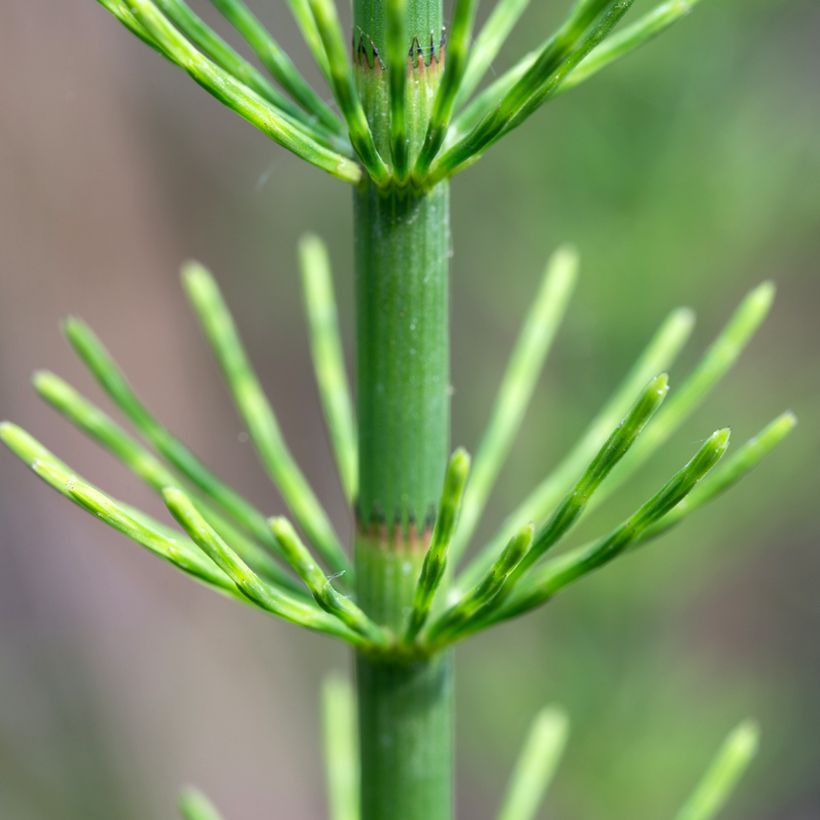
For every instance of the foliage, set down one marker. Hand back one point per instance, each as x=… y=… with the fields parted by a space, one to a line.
x=230 y=546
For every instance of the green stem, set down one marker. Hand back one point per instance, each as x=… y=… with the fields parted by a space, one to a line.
x=402 y=249
x=403 y=369
x=403 y=393
x=405 y=707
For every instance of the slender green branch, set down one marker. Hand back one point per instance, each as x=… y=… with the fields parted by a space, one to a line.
x=717 y=785
x=455 y=62
x=303 y=16
x=488 y=594
x=223 y=55
x=597 y=28
x=488 y=43
x=320 y=586
x=106 y=432
x=328 y=360
x=587 y=24
x=120 y=10
x=264 y=595
x=659 y=354
x=626 y=40
x=730 y=472
x=397 y=68
x=344 y=89
x=143 y=529
x=279 y=126
x=115 y=515
x=319 y=120
x=89 y=348
x=545 y=581
x=514 y=561
x=613 y=48
x=194 y=805
x=487 y=101
x=612 y=451
x=435 y=561
x=257 y=557
x=716 y=362
x=277 y=62
x=340 y=748
x=516 y=389
x=535 y=768
x=259 y=416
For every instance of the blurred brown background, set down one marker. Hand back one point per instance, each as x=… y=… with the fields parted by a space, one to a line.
x=686 y=175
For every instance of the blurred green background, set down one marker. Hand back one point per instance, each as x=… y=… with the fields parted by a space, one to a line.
x=686 y=175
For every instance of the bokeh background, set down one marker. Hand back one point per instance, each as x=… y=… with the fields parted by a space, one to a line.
x=686 y=175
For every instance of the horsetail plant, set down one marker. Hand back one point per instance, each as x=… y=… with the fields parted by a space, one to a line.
x=411 y=111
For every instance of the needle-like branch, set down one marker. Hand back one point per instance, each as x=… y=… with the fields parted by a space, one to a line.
x=397 y=68
x=592 y=23
x=488 y=593
x=659 y=354
x=272 y=121
x=535 y=768
x=320 y=586
x=569 y=510
x=247 y=581
x=141 y=528
x=194 y=805
x=340 y=748
x=303 y=16
x=488 y=43
x=517 y=386
x=543 y=582
x=626 y=40
x=223 y=55
x=716 y=362
x=106 y=432
x=277 y=62
x=119 y=9
x=328 y=360
x=487 y=100
x=258 y=414
x=613 y=450
x=455 y=62
x=587 y=24
x=89 y=348
x=717 y=785
x=344 y=88
x=713 y=366
x=435 y=561
x=613 y=48
x=731 y=471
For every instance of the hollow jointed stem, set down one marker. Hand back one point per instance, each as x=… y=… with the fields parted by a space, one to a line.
x=402 y=249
